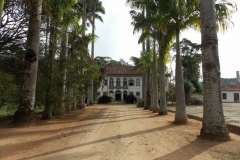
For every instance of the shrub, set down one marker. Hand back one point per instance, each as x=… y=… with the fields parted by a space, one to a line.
x=104 y=99
x=140 y=103
x=130 y=99
x=197 y=99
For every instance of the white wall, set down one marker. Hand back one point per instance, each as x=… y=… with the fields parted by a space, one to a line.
x=230 y=96
x=133 y=89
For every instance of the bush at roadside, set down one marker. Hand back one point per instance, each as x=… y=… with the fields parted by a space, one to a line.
x=130 y=99
x=104 y=99
x=140 y=103
x=197 y=99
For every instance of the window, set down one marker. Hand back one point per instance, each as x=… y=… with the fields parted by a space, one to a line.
x=111 y=81
x=224 y=95
x=124 y=81
x=118 y=81
x=138 y=95
x=130 y=93
x=137 y=82
x=131 y=82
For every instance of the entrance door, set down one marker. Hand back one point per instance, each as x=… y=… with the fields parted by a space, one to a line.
x=236 y=97
x=118 y=95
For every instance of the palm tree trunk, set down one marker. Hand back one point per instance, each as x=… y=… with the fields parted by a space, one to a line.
x=63 y=70
x=46 y=38
x=155 y=105
x=163 y=103
x=47 y=113
x=181 y=114
x=213 y=124
x=148 y=90
x=25 y=113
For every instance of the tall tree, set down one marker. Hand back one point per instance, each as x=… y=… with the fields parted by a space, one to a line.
x=96 y=8
x=213 y=124
x=25 y=113
x=154 y=104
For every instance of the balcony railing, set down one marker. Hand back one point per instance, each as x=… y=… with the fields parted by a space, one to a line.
x=118 y=87
x=111 y=87
x=125 y=87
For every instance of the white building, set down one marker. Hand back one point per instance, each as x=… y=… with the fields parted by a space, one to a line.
x=120 y=82
x=230 y=93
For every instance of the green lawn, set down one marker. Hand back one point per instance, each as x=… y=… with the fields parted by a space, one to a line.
x=6 y=110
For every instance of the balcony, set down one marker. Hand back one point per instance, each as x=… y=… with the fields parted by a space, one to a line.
x=118 y=87
x=125 y=87
x=111 y=87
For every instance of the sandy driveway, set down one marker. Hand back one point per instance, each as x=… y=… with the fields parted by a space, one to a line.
x=113 y=132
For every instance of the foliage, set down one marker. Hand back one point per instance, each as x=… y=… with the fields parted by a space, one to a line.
x=197 y=99
x=228 y=80
x=191 y=59
x=197 y=85
x=188 y=87
x=171 y=96
x=130 y=99
x=140 y=103
x=104 y=99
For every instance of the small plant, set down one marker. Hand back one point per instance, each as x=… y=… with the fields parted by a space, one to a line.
x=104 y=99
x=130 y=99
x=197 y=99
x=140 y=103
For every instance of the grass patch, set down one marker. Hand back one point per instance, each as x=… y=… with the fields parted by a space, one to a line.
x=9 y=110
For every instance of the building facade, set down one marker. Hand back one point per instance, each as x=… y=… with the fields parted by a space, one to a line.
x=231 y=93
x=121 y=81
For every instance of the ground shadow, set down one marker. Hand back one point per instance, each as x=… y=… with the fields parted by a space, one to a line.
x=103 y=140
x=185 y=152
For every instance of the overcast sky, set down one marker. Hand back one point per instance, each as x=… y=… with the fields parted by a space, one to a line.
x=116 y=39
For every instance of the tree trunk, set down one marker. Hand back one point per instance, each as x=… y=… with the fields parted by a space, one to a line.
x=163 y=103
x=148 y=90
x=92 y=54
x=181 y=114
x=144 y=86
x=25 y=113
x=213 y=124
x=83 y=35
x=155 y=105
x=47 y=113
x=46 y=38
x=63 y=71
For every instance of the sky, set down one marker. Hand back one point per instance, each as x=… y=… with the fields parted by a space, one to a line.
x=116 y=38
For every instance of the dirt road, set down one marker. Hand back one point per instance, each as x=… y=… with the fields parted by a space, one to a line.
x=113 y=132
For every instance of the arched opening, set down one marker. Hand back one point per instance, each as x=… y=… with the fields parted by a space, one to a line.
x=118 y=95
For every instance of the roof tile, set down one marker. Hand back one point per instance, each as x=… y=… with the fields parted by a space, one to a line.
x=120 y=70
x=230 y=87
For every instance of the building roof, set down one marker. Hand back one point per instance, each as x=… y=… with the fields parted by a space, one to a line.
x=230 y=87
x=122 y=70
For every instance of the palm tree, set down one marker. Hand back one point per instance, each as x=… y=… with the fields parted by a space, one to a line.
x=25 y=113
x=213 y=124
x=96 y=8
x=184 y=14
x=155 y=25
